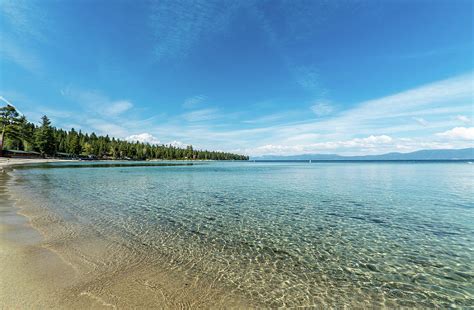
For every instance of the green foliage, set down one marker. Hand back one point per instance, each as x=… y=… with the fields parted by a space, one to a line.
x=9 y=124
x=26 y=136
x=73 y=143
x=44 y=137
x=49 y=140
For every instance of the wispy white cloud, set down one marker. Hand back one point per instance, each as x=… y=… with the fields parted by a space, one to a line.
x=26 y=19
x=179 y=25
x=194 y=101
x=464 y=119
x=380 y=114
x=97 y=102
x=297 y=24
x=459 y=88
x=309 y=78
x=201 y=115
x=21 y=56
x=421 y=121
x=273 y=117
x=24 y=25
x=303 y=138
x=104 y=127
x=322 y=108
x=459 y=133
x=118 y=107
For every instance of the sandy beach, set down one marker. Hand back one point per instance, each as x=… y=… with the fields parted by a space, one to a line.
x=45 y=264
x=7 y=162
x=32 y=275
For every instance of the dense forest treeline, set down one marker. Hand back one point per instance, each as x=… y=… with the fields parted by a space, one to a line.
x=17 y=133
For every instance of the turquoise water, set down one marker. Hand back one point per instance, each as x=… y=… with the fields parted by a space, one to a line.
x=284 y=234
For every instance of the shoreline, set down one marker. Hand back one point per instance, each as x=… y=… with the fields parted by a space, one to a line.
x=33 y=275
x=42 y=264
x=6 y=162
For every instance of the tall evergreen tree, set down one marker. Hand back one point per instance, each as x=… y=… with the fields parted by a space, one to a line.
x=26 y=134
x=9 y=122
x=74 y=143
x=44 y=137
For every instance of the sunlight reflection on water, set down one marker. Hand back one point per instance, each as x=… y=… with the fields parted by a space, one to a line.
x=285 y=234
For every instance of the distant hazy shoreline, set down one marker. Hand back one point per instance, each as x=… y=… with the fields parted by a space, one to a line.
x=441 y=154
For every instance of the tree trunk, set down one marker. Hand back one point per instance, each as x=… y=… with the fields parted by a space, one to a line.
x=2 y=137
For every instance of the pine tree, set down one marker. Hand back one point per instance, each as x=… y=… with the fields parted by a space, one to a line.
x=9 y=122
x=26 y=134
x=73 y=143
x=44 y=138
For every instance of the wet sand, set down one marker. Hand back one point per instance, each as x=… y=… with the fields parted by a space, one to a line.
x=46 y=263
x=32 y=275
x=8 y=162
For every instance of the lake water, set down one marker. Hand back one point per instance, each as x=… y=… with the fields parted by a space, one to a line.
x=276 y=234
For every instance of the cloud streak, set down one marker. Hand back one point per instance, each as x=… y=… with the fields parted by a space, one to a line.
x=118 y=107
x=97 y=102
x=179 y=25
x=25 y=18
x=201 y=115
x=20 y=56
x=194 y=101
x=391 y=116
x=24 y=25
x=459 y=133
x=322 y=108
x=464 y=119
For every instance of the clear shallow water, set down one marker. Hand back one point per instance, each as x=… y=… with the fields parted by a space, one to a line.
x=283 y=234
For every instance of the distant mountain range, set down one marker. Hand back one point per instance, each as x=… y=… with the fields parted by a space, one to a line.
x=461 y=154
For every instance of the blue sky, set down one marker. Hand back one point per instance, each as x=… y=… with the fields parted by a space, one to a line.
x=254 y=77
